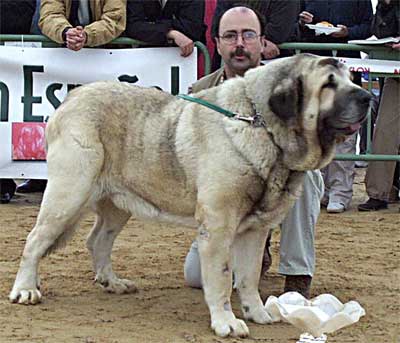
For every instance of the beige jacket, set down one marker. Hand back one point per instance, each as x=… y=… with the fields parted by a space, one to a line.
x=208 y=81
x=109 y=20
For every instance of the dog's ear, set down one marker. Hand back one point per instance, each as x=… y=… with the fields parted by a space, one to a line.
x=286 y=100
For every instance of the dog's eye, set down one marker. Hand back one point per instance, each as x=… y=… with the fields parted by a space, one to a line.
x=331 y=82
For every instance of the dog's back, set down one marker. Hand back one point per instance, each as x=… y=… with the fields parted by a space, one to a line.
x=123 y=138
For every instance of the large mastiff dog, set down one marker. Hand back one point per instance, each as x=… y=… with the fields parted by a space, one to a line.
x=123 y=150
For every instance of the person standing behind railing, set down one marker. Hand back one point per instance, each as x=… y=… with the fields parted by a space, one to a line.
x=164 y=22
x=78 y=24
x=15 y=18
x=35 y=30
x=353 y=17
x=82 y=23
x=380 y=180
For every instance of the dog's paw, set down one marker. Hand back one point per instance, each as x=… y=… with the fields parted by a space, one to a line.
x=232 y=327
x=117 y=286
x=25 y=296
x=257 y=314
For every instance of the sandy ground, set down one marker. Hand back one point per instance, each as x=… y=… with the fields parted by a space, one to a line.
x=357 y=258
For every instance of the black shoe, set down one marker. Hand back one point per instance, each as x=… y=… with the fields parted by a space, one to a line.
x=5 y=198
x=32 y=186
x=373 y=205
x=7 y=190
x=298 y=283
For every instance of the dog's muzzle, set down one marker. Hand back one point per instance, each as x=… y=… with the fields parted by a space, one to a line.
x=351 y=110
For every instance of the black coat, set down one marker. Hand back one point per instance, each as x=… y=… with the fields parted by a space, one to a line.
x=148 y=22
x=16 y=16
x=386 y=21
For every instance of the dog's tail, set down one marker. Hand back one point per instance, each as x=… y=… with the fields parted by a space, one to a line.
x=62 y=240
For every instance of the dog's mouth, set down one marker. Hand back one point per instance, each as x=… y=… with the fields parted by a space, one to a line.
x=349 y=128
x=352 y=128
x=347 y=117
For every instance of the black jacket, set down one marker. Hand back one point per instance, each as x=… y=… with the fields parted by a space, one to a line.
x=16 y=16
x=386 y=22
x=148 y=22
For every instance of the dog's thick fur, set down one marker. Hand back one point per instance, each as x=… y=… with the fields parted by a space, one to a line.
x=123 y=150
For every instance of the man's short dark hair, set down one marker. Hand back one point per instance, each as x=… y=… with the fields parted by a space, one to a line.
x=217 y=19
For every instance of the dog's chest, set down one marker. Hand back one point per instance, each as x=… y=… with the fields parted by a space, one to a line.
x=281 y=189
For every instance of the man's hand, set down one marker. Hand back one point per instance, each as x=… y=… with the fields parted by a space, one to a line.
x=75 y=38
x=270 y=50
x=305 y=18
x=344 y=32
x=396 y=46
x=185 y=44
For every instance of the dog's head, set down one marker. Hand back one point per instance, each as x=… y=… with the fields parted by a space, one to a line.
x=308 y=102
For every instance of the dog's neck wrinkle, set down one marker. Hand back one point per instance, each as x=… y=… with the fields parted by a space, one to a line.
x=292 y=147
x=291 y=158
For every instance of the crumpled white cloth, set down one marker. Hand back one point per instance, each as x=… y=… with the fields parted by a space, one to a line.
x=307 y=338
x=323 y=314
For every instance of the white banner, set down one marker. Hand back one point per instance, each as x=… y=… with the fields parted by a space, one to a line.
x=367 y=65
x=371 y=66
x=34 y=81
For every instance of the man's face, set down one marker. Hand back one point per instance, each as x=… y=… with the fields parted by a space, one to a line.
x=239 y=42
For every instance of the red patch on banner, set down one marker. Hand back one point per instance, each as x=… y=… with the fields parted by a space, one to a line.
x=28 y=141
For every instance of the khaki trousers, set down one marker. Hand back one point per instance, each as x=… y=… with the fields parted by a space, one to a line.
x=379 y=177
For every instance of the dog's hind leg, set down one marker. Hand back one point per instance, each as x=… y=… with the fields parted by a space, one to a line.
x=59 y=213
x=248 y=249
x=109 y=222
x=72 y=171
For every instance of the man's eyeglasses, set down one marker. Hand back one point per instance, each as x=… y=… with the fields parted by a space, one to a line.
x=231 y=37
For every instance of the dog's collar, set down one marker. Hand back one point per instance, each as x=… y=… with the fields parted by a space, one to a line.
x=256 y=120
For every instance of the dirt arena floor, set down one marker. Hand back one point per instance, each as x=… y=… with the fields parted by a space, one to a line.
x=357 y=259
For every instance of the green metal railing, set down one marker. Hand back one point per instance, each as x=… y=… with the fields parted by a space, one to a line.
x=207 y=58
x=122 y=41
x=374 y=52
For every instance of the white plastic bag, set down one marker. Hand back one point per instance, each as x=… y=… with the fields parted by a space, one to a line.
x=323 y=314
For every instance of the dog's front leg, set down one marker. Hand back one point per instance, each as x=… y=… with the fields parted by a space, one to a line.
x=215 y=258
x=248 y=250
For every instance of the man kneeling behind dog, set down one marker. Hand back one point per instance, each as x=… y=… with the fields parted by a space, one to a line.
x=238 y=40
